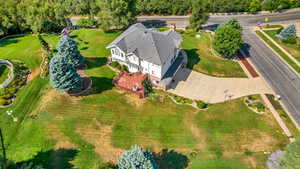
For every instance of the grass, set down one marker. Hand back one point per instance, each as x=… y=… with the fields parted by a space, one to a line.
x=293 y=49
x=272 y=26
x=279 y=51
x=4 y=71
x=203 y=60
x=60 y=131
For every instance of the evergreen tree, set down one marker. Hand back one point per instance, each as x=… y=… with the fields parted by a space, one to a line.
x=234 y=23
x=199 y=14
x=63 y=75
x=228 y=40
x=291 y=158
x=287 y=32
x=137 y=158
x=68 y=47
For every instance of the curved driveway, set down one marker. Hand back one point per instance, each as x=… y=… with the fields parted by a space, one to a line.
x=198 y=86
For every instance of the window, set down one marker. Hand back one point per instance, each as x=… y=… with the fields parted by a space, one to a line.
x=122 y=54
x=113 y=51
x=153 y=72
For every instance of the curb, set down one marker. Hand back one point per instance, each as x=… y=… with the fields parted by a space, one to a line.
x=275 y=114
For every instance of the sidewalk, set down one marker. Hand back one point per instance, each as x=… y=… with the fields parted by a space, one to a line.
x=269 y=104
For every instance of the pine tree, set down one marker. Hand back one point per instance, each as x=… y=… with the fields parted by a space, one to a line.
x=137 y=158
x=63 y=75
x=287 y=32
x=68 y=47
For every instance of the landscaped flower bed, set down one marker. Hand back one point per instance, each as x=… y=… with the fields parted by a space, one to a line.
x=254 y=103
x=4 y=71
x=201 y=104
x=21 y=73
x=180 y=100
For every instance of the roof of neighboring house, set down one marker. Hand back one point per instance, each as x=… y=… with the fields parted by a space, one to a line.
x=148 y=44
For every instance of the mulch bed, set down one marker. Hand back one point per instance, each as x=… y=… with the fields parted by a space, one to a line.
x=86 y=85
x=249 y=67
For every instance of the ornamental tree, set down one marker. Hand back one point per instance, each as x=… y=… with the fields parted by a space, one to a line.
x=63 y=75
x=228 y=40
x=68 y=47
x=137 y=158
x=287 y=32
x=291 y=157
x=199 y=14
x=234 y=23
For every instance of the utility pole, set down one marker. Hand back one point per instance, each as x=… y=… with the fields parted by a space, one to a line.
x=3 y=149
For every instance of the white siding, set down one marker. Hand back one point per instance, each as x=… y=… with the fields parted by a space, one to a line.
x=118 y=54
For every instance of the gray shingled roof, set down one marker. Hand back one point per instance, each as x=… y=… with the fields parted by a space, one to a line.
x=148 y=44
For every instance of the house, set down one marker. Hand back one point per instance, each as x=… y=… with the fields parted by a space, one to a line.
x=149 y=51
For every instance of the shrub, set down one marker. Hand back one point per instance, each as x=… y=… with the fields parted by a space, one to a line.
x=201 y=104
x=290 y=40
x=137 y=158
x=181 y=100
x=259 y=106
x=289 y=31
x=87 y=22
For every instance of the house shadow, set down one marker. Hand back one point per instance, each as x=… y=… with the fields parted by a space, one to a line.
x=181 y=75
x=95 y=62
x=154 y=23
x=193 y=57
x=8 y=42
x=170 y=159
x=58 y=159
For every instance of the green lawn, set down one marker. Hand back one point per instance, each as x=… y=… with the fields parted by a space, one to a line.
x=60 y=131
x=202 y=59
x=293 y=49
x=4 y=71
x=279 y=51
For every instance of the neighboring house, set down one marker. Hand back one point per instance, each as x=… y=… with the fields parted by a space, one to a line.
x=149 y=51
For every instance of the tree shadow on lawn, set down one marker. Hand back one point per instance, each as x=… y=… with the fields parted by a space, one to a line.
x=170 y=159
x=58 y=159
x=100 y=84
x=8 y=42
x=95 y=62
x=193 y=57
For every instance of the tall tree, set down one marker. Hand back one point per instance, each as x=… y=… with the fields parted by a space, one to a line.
x=68 y=47
x=254 y=6
x=137 y=158
x=228 y=40
x=234 y=23
x=199 y=14
x=63 y=75
x=118 y=13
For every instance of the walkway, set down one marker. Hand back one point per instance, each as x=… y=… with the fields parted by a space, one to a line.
x=198 y=86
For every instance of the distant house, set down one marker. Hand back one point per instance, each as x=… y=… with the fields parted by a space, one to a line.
x=149 y=51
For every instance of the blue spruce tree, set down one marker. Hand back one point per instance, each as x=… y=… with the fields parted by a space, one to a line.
x=137 y=158
x=63 y=75
x=287 y=32
x=68 y=47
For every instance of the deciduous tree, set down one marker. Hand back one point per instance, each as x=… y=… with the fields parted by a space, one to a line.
x=254 y=6
x=234 y=23
x=291 y=158
x=228 y=40
x=199 y=14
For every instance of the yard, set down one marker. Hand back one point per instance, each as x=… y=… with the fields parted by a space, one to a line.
x=202 y=59
x=293 y=49
x=54 y=128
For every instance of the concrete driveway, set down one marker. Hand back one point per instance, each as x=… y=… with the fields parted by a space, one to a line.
x=198 y=86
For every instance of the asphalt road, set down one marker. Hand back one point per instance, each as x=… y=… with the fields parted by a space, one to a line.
x=279 y=76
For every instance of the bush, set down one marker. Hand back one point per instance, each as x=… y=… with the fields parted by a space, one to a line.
x=87 y=22
x=290 y=40
x=181 y=100
x=259 y=106
x=201 y=104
